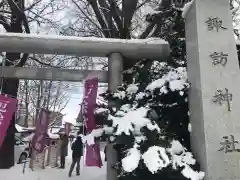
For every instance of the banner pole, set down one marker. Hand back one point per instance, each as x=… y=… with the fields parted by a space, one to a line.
x=84 y=122
x=83 y=130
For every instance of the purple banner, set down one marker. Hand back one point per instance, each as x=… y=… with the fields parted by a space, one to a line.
x=93 y=157
x=7 y=108
x=89 y=103
x=39 y=141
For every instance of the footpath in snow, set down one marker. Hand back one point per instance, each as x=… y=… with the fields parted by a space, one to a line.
x=87 y=173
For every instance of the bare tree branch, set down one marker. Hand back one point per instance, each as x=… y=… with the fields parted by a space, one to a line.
x=147 y=31
x=88 y=17
x=116 y=13
x=4 y=23
x=99 y=17
x=129 y=8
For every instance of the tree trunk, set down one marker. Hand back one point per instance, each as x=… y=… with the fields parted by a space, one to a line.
x=39 y=98
x=49 y=87
x=10 y=87
x=57 y=97
x=26 y=103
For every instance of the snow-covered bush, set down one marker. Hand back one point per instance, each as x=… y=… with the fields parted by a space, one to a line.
x=150 y=123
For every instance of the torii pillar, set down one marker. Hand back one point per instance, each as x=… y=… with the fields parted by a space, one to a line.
x=115 y=79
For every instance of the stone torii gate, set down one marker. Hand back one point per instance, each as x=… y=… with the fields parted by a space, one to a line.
x=213 y=71
x=114 y=49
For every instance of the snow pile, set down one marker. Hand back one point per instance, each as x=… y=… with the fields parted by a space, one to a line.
x=176 y=79
x=155 y=158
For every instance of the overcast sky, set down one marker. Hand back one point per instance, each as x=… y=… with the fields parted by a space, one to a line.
x=72 y=109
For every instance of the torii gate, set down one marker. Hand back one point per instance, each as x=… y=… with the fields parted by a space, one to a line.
x=114 y=49
x=209 y=39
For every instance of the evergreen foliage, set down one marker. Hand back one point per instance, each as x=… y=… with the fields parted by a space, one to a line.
x=152 y=112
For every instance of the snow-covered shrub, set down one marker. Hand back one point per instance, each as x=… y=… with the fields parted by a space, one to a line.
x=150 y=126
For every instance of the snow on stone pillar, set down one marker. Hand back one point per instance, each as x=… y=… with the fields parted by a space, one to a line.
x=214 y=98
x=115 y=68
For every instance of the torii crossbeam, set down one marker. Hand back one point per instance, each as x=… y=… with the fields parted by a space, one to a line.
x=133 y=49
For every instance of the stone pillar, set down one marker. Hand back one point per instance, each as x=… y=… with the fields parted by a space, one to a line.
x=214 y=98
x=115 y=68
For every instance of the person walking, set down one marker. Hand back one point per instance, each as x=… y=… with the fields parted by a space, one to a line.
x=77 y=152
x=63 y=150
x=105 y=152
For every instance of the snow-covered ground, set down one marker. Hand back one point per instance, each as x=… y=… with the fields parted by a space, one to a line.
x=87 y=173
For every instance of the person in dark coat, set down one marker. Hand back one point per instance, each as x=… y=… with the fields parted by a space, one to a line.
x=63 y=150
x=77 y=152
x=105 y=152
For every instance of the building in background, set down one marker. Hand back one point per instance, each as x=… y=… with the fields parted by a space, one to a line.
x=21 y=114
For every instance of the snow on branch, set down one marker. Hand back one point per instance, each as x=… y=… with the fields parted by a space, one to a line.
x=101 y=110
x=157 y=158
x=186 y=8
x=132 y=88
x=182 y=158
x=96 y=133
x=128 y=121
x=131 y=161
x=133 y=121
x=177 y=79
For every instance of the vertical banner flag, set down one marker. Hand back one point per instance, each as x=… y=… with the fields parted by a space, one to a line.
x=93 y=157
x=8 y=107
x=67 y=128
x=89 y=103
x=40 y=137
